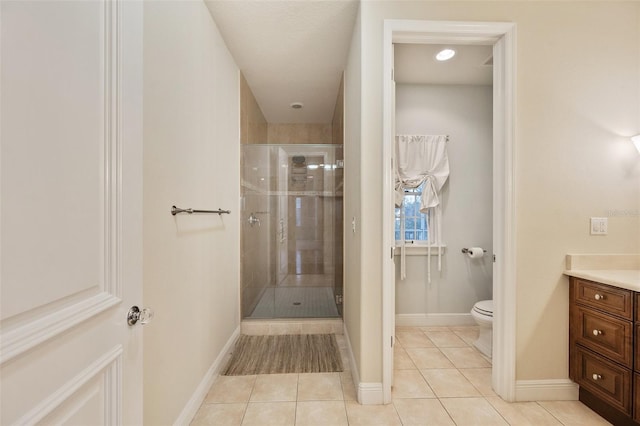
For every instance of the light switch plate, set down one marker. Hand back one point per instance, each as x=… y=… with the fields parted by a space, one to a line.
x=599 y=226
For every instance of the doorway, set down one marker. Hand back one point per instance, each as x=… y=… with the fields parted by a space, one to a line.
x=502 y=37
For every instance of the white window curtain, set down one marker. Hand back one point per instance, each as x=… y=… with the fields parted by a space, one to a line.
x=422 y=159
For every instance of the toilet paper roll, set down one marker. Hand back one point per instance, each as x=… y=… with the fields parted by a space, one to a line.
x=475 y=252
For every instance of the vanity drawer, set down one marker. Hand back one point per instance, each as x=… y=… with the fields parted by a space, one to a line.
x=615 y=301
x=605 y=379
x=606 y=335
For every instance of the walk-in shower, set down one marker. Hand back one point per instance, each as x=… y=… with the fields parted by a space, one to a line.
x=291 y=249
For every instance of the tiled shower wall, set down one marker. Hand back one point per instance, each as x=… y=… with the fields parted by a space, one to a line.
x=254 y=254
x=299 y=133
x=253 y=125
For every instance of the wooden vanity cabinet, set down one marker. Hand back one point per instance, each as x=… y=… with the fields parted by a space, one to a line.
x=604 y=349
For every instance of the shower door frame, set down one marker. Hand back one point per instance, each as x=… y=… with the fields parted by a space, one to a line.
x=501 y=35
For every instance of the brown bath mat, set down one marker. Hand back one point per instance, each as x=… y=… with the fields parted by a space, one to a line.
x=292 y=353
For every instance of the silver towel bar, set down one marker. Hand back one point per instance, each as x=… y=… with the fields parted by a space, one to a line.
x=175 y=210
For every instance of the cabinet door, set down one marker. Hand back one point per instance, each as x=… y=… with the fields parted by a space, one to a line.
x=608 y=381
x=612 y=300
x=605 y=335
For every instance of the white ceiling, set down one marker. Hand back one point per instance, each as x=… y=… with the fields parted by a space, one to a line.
x=415 y=63
x=289 y=51
x=296 y=50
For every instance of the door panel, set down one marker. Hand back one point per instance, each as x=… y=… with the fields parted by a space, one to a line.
x=71 y=211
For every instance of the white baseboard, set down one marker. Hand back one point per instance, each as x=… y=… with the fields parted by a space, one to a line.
x=546 y=390
x=368 y=393
x=433 y=320
x=191 y=408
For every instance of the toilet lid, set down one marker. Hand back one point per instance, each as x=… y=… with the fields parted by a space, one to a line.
x=484 y=307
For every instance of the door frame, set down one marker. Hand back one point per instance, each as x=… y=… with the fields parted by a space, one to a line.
x=502 y=36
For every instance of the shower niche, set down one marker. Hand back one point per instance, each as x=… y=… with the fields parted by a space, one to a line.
x=291 y=242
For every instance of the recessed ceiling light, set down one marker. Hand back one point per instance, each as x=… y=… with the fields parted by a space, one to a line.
x=296 y=105
x=445 y=54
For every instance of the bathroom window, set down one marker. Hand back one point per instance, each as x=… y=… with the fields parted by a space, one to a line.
x=415 y=223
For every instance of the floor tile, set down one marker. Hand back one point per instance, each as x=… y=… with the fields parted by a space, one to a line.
x=346 y=364
x=270 y=414
x=401 y=360
x=410 y=384
x=406 y=328
x=465 y=357
x=446 y=339
x=321 y=413
x=573 y=413
x=371 y=415
x=523 y=413
x=227 y=389
x=472 y=411
x=219 y=414
x=435 y=328
x=428 y=358
x=275 y=387
x=414 y=339
x=456 y=328
x=449 y=383
x=348 y=387
x=480 y=378
x=319 y=387
x=422 y=412
x=468 y=334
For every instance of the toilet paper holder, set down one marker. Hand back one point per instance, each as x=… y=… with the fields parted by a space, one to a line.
x=466 y=250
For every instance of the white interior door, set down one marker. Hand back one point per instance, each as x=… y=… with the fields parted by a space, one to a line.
x=71 y=212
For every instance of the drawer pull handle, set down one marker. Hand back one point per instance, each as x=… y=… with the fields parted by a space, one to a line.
x=597 y=377
x=599 y=296
x=597 y=332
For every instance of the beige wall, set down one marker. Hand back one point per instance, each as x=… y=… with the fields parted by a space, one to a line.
x=337 y=122
x=577 y=102
x=253 y=125
x=352 y=191
x=191 y=155
x=337 y=138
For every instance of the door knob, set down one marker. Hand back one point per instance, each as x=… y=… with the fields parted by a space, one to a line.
x=144 y=315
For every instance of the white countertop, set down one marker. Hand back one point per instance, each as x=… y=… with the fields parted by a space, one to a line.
x=623 y=278
x=620 y=270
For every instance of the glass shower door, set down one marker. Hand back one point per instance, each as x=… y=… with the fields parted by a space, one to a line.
x=291 y=212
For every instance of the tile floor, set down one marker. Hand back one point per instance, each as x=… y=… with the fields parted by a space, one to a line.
x=439 y=379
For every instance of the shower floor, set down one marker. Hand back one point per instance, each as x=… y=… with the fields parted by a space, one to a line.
x=296 y=302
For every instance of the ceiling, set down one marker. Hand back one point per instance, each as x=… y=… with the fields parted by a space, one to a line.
x=415 y=63
x=296 y=50
x=289 y=51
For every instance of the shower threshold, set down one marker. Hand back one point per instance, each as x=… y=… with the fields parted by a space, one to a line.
x=263 y=327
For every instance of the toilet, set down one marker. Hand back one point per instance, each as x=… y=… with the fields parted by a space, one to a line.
x=482 y=313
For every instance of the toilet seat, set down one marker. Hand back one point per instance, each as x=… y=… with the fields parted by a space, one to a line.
x=484 y=308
